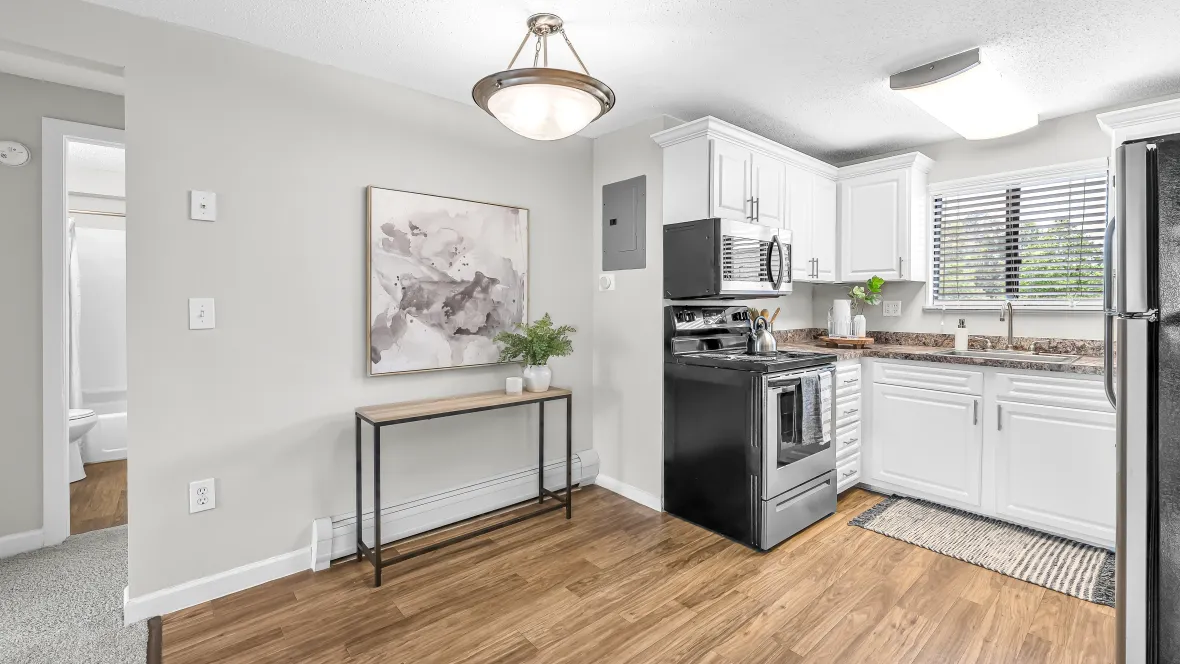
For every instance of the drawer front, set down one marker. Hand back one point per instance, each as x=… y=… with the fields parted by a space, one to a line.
x=847 y=410
x=928 y=378
x=847 y=379
x=847 y=472
x=1053 y=391
x=847 y=441
x=794 y=510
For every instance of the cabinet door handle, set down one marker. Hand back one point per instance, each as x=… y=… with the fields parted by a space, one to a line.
x=750 y=217
x=899 y=262
x=999 y=417
x=974 y=412
x=817 y=268
x=758 y=209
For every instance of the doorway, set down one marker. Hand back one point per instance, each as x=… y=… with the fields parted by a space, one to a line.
x=84 y=329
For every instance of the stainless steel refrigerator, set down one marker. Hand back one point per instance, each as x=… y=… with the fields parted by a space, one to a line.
x=1142 y=302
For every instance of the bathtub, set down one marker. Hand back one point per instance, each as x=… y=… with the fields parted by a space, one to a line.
x=107 y=441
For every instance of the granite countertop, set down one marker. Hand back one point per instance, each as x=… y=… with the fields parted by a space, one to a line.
x=1086 y=364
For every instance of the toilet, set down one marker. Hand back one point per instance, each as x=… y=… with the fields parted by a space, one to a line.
x=81 y=421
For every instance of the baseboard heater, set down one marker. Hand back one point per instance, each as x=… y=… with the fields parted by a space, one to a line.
x=335 y=536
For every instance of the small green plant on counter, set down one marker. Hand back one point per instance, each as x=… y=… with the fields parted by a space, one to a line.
x=868 y=294
x=536 y=343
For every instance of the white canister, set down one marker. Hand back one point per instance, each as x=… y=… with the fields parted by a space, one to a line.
x=513 y=385
x=841 y=318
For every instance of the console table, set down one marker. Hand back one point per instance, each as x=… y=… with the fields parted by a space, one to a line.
x=412 y=411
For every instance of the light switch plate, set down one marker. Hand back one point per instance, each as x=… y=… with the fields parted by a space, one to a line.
x=202 y=495
x=203 y=205
x=606 y=282
x=201 y=314
x=891 y=308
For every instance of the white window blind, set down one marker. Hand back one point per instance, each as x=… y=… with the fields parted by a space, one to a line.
x=1036 y=242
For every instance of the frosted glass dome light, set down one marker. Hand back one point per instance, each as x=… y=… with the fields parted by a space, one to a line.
x=540 y=102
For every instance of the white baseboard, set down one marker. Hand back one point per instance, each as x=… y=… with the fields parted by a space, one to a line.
x=423 y=513
x=208 y=588
x=10 y=545
x=630 y=493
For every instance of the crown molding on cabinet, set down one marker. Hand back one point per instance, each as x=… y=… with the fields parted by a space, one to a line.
x=910 y=159
x=1141 y=121
x=710 y=126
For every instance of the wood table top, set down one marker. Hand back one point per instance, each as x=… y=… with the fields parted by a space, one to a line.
x=403 y=411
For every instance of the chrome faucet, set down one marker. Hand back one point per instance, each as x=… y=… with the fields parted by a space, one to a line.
x=1006 y=308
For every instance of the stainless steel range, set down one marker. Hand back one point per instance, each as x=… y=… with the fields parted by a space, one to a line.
x=747 y=438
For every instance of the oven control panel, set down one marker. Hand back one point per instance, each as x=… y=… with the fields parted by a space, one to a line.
x=688 y=318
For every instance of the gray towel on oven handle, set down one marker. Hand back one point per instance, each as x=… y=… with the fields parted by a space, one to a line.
x=817 y=401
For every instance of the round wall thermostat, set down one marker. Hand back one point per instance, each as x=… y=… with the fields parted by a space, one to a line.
x=13 y=153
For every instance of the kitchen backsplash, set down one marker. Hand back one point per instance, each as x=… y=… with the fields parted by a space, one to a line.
x=1084 y=347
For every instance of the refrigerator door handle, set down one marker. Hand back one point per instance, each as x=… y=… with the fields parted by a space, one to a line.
x=1108 y=312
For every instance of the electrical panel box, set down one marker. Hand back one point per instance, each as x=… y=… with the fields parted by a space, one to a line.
x=624 y=225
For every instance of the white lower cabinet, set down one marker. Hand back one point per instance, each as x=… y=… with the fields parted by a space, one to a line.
x=928 y=441
x=1056 y=466
x=1033 y=448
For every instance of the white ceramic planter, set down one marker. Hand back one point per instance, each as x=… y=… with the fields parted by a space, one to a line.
x=858 y=326
x=537 y=377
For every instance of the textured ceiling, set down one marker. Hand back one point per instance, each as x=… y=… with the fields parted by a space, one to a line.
x=809 y=73
x=96 y=157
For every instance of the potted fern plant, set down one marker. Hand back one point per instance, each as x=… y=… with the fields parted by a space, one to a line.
x=534 y=345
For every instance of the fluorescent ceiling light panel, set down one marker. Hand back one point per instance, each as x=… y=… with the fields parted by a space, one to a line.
x=967 y=95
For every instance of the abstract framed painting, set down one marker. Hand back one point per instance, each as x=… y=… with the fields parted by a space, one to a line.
x=446 y=275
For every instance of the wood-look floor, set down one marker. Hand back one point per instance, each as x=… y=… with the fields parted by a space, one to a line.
x=100 y=500
x=621 y=583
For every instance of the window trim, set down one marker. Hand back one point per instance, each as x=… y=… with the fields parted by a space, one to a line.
x=1026 y=176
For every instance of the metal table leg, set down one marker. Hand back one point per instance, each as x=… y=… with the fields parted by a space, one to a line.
x=377 y=505
x=359 y=522
x=569 y=457
x=541 y=454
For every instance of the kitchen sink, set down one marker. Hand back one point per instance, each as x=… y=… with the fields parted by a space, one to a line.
x=1022 y=356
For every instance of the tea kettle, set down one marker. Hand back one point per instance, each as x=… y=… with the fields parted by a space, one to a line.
x=761 y=341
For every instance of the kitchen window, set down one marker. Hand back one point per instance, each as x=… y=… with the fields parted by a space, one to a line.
x=1034 y=238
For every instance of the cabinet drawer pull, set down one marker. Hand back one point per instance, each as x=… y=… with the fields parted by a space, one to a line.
x=851 y=441
x=851 y=411
x=848 y=473
x=849 y=381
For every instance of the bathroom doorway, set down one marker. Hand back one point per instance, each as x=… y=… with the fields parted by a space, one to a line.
x=85 y=329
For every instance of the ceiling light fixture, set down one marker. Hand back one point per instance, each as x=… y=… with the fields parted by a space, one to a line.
x=540 y=102
x=967 y=95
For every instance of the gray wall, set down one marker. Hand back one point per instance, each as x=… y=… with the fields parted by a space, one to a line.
x=628 y=355
x=25 y=102
x=264 y=402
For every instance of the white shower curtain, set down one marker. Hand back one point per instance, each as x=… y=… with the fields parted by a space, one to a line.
x=75 y=320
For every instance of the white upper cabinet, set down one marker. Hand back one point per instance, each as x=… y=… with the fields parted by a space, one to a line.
x=883 y=219
x=824 y=229
x=731 y=187
x=811 y=216
x=770 y=190
x=714 y=169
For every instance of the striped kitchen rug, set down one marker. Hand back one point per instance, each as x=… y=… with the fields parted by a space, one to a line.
x=1073 y=568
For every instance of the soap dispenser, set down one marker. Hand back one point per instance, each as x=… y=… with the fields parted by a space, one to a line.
x=961 y=335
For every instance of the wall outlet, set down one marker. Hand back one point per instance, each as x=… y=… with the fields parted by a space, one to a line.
x=202 y=495
x=891 y=308
x=201 y=315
